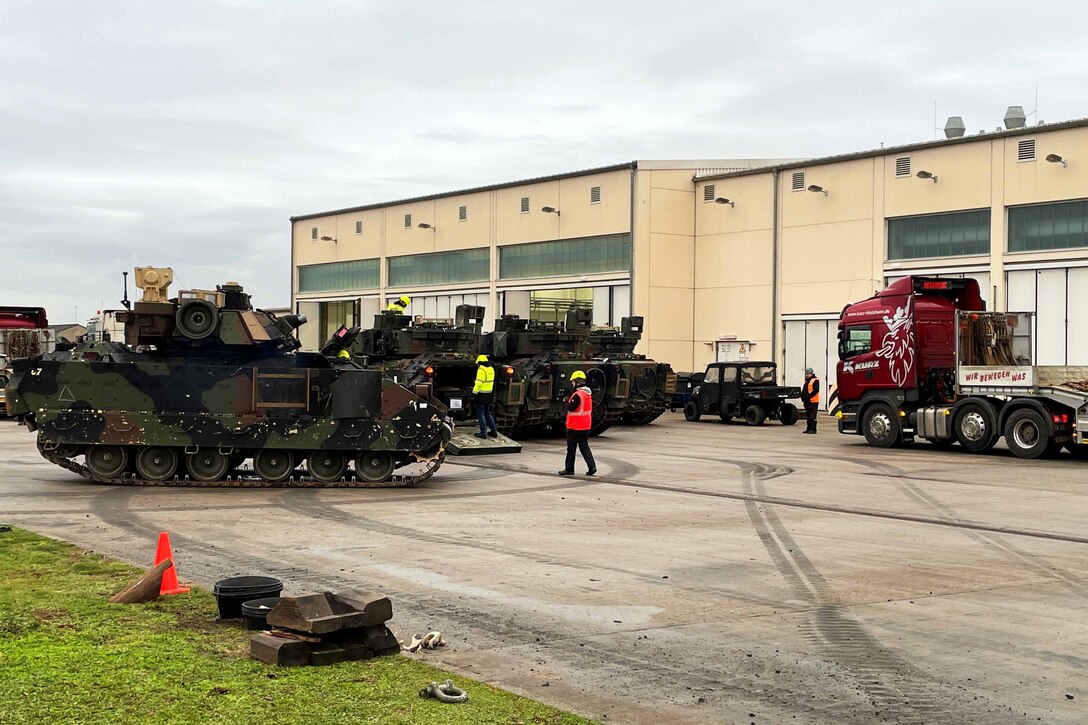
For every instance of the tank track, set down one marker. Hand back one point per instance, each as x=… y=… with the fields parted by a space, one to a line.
x=251 y=481
x=649 y=416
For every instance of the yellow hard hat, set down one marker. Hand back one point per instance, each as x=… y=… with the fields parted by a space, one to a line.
x=481 y=359
x=344 y=354
x=577 y=375
x=406 y=300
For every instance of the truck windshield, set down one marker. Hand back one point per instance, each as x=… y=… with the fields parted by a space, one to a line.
x=855 y=340
x=757 y=375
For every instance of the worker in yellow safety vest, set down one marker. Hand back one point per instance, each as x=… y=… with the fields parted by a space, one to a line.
x=484 y=393
x=400 y=304
x=810 y=396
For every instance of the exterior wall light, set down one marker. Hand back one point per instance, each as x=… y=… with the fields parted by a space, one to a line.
x=817 y=189
x=425 y=225
x=328 y=239
x=1056 y=159
x=923 y=174
x=723 y=200
x=549 y=210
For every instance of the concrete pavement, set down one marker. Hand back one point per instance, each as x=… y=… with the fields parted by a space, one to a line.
x=711 y=573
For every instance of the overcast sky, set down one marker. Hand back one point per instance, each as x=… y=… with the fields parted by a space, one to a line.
x=185 y=134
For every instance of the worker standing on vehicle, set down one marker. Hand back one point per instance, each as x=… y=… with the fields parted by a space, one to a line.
x=400 y=304
x=810 y=396
x=484 y=393
x=579 y=421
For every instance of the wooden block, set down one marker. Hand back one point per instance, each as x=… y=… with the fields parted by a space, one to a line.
x=375 y=609
x=327 y=654
x=278 y=651
x=381 y=641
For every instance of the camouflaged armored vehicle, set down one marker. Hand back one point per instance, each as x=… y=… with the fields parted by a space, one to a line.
x=204 y=382
x=536 y=359
x=439 y=354
x=534 y=362
x=638 y=389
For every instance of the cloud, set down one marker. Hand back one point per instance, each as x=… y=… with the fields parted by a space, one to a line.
x=186 y=134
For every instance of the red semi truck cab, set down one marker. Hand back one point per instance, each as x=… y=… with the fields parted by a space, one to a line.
x=900 y=344
x=924 y=359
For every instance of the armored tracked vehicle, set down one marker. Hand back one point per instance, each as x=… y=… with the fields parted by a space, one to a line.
x=535 y=360
x=439 y=354
x=204 y=382
x=638 y=389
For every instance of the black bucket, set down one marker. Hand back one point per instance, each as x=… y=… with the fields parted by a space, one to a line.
x=231 y=593
x=256 y=612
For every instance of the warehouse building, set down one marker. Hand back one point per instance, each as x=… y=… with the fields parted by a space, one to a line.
x=729 y=259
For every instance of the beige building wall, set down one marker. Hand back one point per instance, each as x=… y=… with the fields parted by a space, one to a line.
x=832 y=250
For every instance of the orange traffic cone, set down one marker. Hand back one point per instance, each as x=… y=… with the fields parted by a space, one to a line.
x=170 y=576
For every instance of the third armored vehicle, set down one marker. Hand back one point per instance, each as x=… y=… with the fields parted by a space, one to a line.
x=638 y=389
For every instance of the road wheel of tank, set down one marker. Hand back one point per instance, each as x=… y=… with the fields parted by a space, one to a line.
x=754 y=415
x=107 y=461
x=975 y=427
x=881 y=426
x=156 y=463
x=692 y=412
x=67 y=451
x=208 y=464
x=375 y=466
x=327 y=466
x=196 y=319
x=273 y=465
x=1026 y=433
x=787 y=414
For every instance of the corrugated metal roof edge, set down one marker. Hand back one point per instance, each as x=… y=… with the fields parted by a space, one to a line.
x=473 y=190
x=891 y=150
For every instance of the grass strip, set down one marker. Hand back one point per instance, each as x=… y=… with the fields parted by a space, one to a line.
x=68 y=656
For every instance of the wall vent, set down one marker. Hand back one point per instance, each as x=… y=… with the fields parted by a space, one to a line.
x=1025 y=150
x=594 y=195
x=313 y=233
x=798 y=181
x=524 y=205
x=407 y=221
x=902 y=166
x=708 y=192
x=358 y=227
x=462 y=213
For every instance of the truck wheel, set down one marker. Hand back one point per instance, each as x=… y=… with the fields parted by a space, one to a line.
x=975 y=427
x=692 y=412
x=1026 y=433
x=787 y=414
x=881 y=426
x=754 y=415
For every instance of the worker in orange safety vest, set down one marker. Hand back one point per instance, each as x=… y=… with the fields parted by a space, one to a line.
x=810 y=396
x=579 y=421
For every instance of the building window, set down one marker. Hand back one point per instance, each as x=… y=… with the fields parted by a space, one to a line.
x=553 y=305
x=407 y=221
x=336 y=276
x=1048 y=226
x=1025 y=150
x=313 y=233
x=798 y=181
x=595 y=195
x=358 y=227
x=939 y=235
x=462 y=213
x=465 y=265
x=586 y=255
x=902 y=167
x=524 y=205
